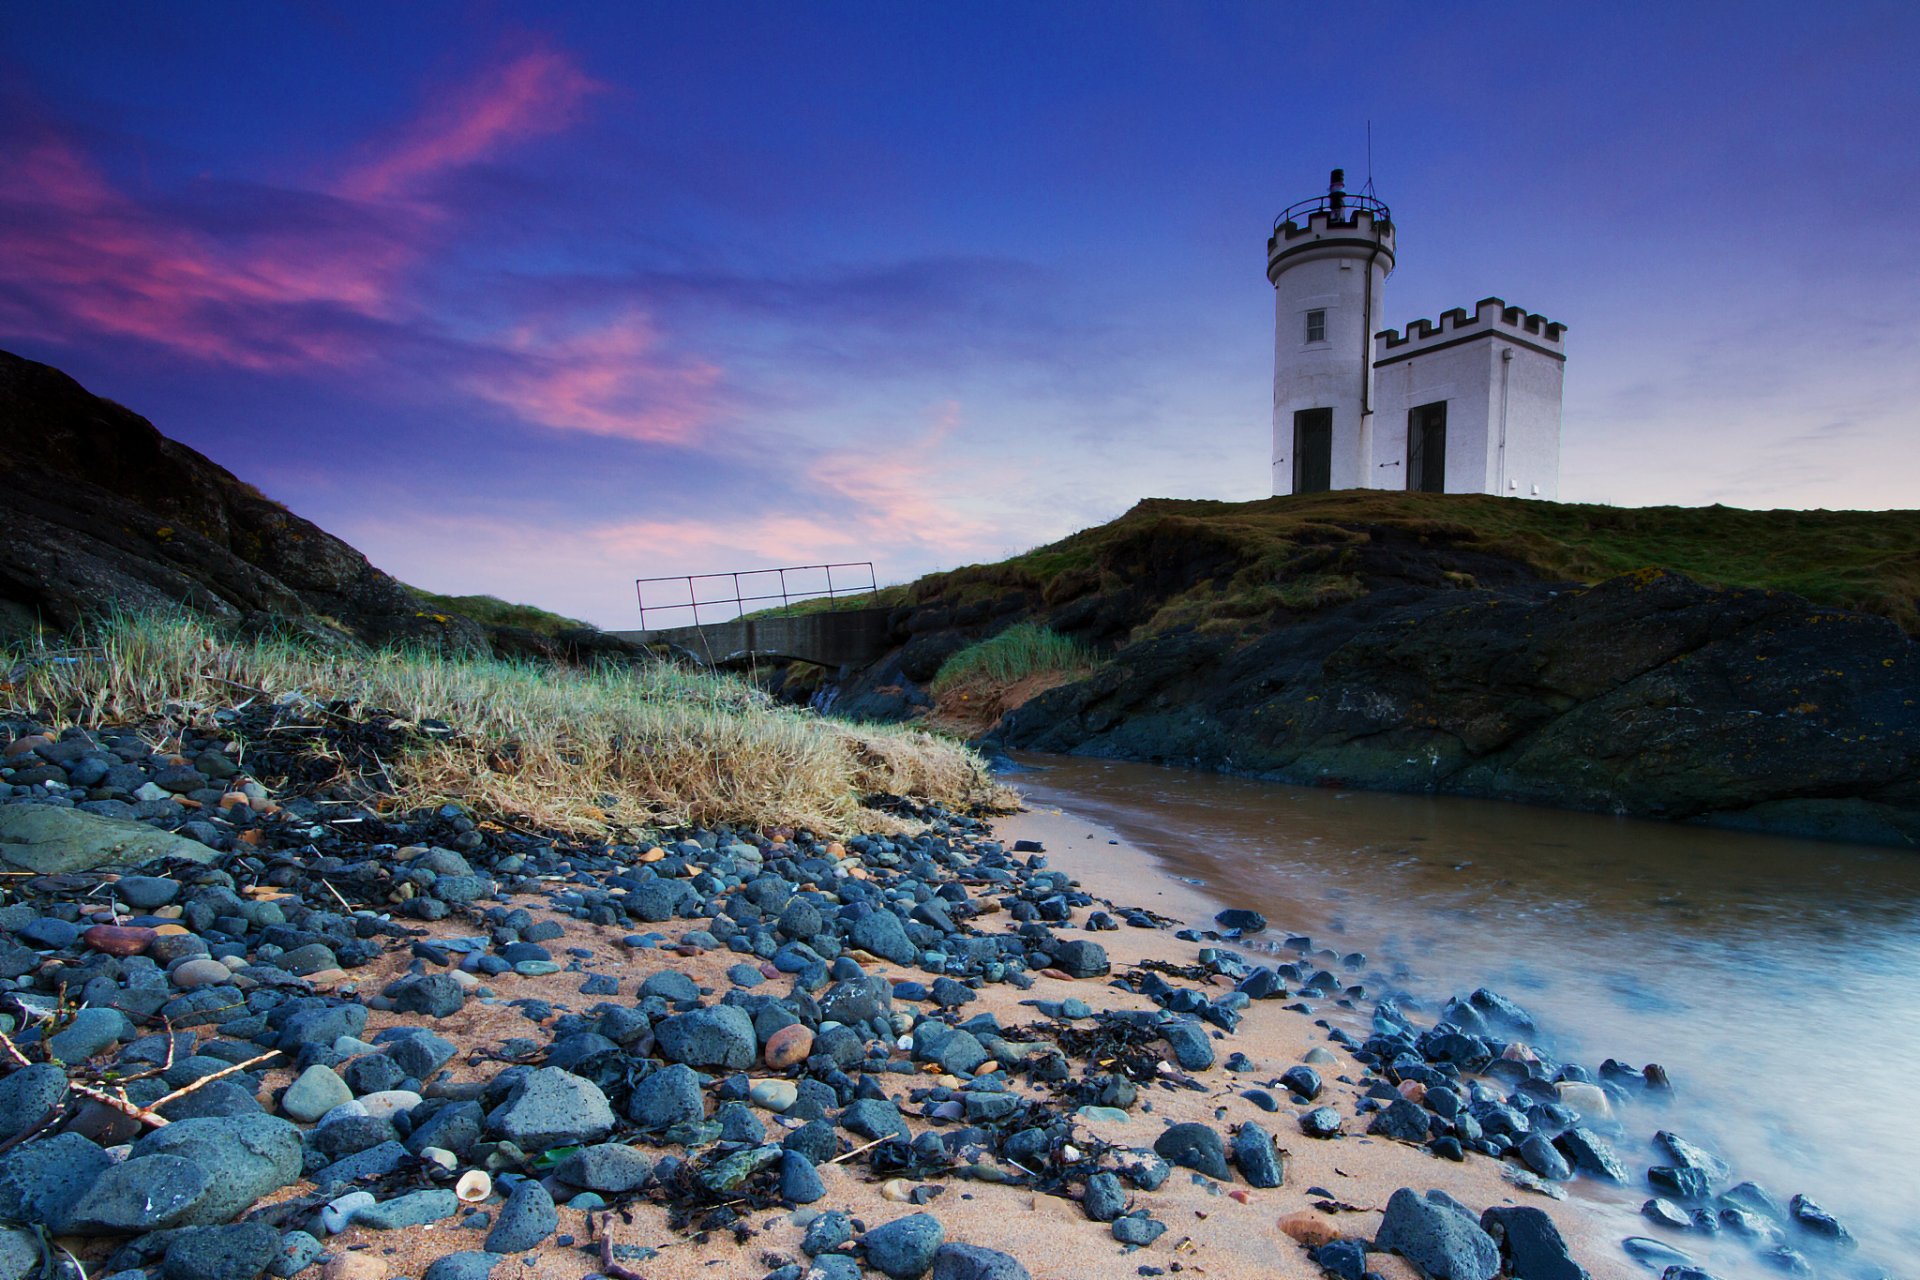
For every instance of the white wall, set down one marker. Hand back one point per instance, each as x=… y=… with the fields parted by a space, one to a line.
x=1333 y=373
x=1464 y=361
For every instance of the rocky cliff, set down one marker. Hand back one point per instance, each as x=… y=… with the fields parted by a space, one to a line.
x=99 y=510
x=1410 y=656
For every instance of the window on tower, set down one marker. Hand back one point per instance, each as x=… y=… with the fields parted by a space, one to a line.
x=1316 y=326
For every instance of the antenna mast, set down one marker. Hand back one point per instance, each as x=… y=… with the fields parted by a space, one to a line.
x=1368 y=189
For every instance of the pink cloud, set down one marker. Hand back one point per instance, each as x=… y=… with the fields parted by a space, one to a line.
x=536 y=93
x=78 y=256
x=100 y=263
x=611 y=380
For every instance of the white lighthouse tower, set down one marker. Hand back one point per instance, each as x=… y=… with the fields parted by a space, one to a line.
x=1328 y=260
x=1468 y=405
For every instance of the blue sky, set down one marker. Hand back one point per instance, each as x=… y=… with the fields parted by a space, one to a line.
x=534 y=300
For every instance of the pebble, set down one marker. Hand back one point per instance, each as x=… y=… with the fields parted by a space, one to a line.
x=526 y=1219
x=774 y=1095
x=1309 y=1228
x=1194 y=1146
x=904 y=1248
x=788 y=1046
x=316 y=1091
x=200 y=971
x=338 y=1214
x=118 y=940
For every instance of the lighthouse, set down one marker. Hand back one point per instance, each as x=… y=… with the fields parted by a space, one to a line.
x=1470 y=404
x=1328 y=260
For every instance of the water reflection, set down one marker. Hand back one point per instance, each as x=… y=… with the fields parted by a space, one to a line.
x=1777 y=979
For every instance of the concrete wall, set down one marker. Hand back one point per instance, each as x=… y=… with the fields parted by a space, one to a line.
x=830 y=639
x=1332 y=268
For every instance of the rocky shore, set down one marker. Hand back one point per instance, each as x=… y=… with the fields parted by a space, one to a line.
x=259 y=1023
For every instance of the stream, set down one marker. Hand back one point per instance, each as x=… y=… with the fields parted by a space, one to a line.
x=1777 y=979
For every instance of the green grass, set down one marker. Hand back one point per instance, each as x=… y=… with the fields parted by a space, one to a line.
x=1303 y=552
x=1022 y=650
x=491 y=611
x=597 y=750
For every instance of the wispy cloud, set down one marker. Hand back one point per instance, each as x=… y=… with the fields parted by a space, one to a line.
x=611 y=379
x=539 y=92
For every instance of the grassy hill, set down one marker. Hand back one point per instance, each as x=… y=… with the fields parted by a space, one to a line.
x=1250 y=560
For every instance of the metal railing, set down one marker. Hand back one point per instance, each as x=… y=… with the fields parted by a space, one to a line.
x=743 y=583
x=1338 y=208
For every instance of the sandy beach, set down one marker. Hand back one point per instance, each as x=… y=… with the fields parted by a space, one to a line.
x=1229 y=1231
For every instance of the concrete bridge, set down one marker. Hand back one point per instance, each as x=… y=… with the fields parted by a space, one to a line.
x=828 y=639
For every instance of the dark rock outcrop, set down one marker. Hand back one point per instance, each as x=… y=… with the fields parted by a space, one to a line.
x=100 y=511
x=1648 y=694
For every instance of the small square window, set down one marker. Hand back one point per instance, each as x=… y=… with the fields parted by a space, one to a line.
x=1316 y=326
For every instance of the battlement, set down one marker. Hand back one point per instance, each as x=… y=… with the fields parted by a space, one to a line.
x=1491 y=317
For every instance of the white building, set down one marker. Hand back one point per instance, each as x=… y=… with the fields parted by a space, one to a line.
x=1468 y=405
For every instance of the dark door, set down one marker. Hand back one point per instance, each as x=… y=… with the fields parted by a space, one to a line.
x=1312 y=450
x=1427 y=448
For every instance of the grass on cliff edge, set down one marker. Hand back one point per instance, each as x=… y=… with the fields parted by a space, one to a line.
x=492 y=611
x=1864 y=560
x=1022 y=651
x=545 y=742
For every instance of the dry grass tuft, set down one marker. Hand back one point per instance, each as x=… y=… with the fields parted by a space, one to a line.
x=587 y=751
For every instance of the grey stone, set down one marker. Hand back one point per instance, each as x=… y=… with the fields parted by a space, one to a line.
x=610 y=1167
x=19 y=1254
x=1079 y=958
x=1437 y=1234
x=670 y=985
x=882 y=933
x=527 y=1218
x=1137 y=1228
x=874 y=1118
x=242 y=1251
x=371 y=1163
x=415 y=1209
x=49 y=840
x=1192 y=1048
x=316 y=1091
x=146 y=892
x=421 y=1054
x=1321 y=1122
x=1403 y=1121
x=1194 y=1146
x=1530 y=1245
x=246 y=1157
x=1259 y=1161
x=89 y=1032
x=721 y=1036
x=436 y=995
x=472 y=1264
x=147 y=1194
x=828 y=1231
x=976 y=1262
x=1544 y=1158
x=42 y=1181
x=28 y=1094
x=668 y=1097
x=298 y=1251
x=904 y=1248
x=799 y=1180
x=553 y=1108
x=1105 y=1199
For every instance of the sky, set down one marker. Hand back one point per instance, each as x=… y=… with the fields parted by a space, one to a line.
x=535 y=300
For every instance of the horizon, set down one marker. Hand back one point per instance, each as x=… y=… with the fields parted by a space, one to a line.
x=532 y=305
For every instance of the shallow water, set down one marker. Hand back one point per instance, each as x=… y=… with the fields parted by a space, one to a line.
x=1778 y=980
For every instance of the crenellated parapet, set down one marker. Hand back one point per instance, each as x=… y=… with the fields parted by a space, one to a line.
x=1491 y=317
x=1365 y=228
